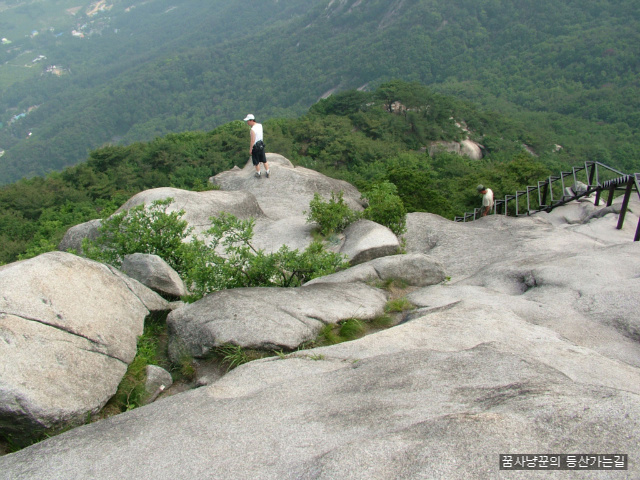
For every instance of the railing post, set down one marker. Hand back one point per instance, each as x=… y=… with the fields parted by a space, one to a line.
x=545 y=191
x=592 y=172
x=625 y=203
x=612 y=189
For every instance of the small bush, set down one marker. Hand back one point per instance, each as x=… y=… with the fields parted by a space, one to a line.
x=155 y=231
x=332 y=216
x=141 y=230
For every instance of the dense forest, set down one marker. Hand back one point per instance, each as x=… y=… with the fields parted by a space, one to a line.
x=567 y=70
x=352 y=135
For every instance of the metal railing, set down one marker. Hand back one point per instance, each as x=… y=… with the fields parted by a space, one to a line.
x=593 y=177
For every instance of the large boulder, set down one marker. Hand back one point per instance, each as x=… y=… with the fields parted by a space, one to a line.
x=289 y=190
x=153 y=272
x=68 y=330
x=268 y=318
x=365 y=240
x=199 y=207
x=73 y=238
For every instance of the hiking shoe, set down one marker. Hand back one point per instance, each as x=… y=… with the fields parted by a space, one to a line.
x=257 y=174
x=267 y=172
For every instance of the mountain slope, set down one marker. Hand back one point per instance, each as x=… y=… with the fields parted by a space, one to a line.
x=222 y=60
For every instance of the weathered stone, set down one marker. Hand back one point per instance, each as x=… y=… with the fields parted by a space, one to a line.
x=467 y=148
x=268 y=318
x=413 y=269
x=471 y=149
x=199 y=207
x=72 y=240
x=158 y=380
x=68 y=330
x=153 y=272
x=366 y=240
x=289 y=190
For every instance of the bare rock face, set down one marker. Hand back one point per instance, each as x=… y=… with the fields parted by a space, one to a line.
x=68 y=330
x=416 y=412
x=467 y=148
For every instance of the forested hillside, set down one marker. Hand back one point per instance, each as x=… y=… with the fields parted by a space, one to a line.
x=351 y=135
x=566 y=69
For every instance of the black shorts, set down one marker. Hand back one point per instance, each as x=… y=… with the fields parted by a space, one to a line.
x=258 y=155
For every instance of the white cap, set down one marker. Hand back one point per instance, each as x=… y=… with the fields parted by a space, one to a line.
x=249 y=117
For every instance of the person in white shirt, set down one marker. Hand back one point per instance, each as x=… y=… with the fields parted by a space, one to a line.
x=487 y=199
x=256 y=145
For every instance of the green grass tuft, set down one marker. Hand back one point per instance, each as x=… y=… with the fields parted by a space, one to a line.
x=398 y=305
x=351 y=329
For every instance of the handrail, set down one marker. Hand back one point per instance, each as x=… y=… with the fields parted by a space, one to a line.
x=544 y=201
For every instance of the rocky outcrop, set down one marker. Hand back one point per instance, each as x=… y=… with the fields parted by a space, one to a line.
x=289 y=190
x=277 y=204
x=467 y=148
x=532 y=341
x=268 y=318
x=68 y=330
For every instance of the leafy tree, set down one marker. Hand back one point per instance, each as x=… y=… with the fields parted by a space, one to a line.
x=385 y=207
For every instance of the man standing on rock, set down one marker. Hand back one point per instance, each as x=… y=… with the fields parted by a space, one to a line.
x=256 y=145
x=487 y=199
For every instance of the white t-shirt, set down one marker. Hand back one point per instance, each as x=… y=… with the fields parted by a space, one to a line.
x=487 y=198
x=257 y=130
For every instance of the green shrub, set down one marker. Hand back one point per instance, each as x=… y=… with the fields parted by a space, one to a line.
x=153 y=230
x=386 y=207
x=332 y=216
x=141 y=230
